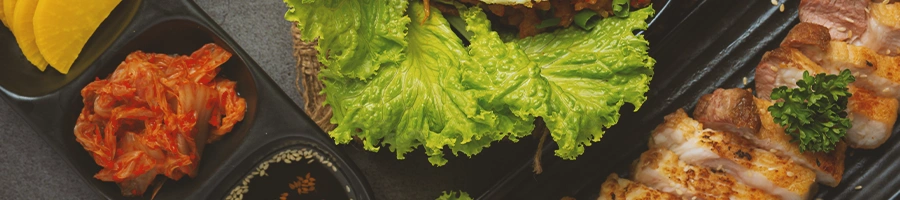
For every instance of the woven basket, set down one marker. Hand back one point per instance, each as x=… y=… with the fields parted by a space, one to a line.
x=307 y=82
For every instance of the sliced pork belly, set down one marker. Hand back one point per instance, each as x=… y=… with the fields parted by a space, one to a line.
x=845 y=19
x=662 y=170
x=872 y=116
x=728 y=110
x=616 y=188
x=878 y=73
x=755 y=167
x=829 y=167
x=873 y=71
x=883 y=32
x=783 y=66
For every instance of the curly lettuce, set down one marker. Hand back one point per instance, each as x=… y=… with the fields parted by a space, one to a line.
x=355 y=38
x=428 y=89
x=591 y=74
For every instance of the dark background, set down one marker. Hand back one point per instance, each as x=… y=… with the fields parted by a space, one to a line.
x=30 y=169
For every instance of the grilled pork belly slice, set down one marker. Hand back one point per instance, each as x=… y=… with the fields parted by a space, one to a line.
x=661 y=170
x=872 y=116
x=845 y=19
x=783 y=66
x=883 y=32
x=755 y=167
x=829 y=167
x=616 y=188
x=878 y=73
x=873 y=71
x=729 y=110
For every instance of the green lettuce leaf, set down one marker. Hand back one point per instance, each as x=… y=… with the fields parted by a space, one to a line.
x=591 y=75
x=355 y=37
x=419 y=101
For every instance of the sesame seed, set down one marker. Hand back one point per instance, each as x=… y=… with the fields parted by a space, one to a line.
x=790 y=174
x=841 y=29
x=858 y=187
x=781 y=8
x=774 y=2
x=745 y=80
x=348 y=188
x=772 y=150
x=863 y=75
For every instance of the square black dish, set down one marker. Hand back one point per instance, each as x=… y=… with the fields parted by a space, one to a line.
x=718 y=44
x=50 y=102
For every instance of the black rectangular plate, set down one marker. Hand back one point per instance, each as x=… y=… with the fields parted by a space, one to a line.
x=50 y=102
x=717 y=45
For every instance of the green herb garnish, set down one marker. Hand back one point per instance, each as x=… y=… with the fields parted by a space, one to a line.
x=814 y=114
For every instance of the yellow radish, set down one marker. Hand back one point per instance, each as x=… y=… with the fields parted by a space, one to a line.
x=24 y=32
x=8 y=6
x=61 y=29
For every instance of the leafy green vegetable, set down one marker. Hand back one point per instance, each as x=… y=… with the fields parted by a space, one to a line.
x=357 y=43
x=442 y=95
x=814 y=114
x=621 y=8
x=591 y=74
x=419 y=101
x=454 y=196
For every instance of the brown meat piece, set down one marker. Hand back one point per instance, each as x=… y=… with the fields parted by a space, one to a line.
x=731 y=110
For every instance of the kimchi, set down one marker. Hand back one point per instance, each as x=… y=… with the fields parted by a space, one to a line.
x=155 y=113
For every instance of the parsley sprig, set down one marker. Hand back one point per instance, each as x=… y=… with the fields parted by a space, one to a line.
x=814 y=114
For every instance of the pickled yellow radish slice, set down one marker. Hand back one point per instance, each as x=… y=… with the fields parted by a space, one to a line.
x=24 y=33
x=61 y=29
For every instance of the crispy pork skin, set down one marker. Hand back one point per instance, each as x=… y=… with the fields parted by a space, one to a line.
x=873 y=118
x=730 y=110
x=829 y=167
x=735 y=155
x=615 y=188
x=883 y=32
x=661 y=169
x=845 y=19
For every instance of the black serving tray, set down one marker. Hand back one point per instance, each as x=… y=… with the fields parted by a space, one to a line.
x=717 y=45
x=50 y=102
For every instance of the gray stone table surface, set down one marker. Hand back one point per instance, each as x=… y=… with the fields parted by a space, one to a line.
x=30 y=169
